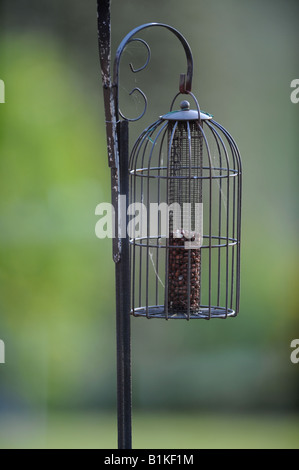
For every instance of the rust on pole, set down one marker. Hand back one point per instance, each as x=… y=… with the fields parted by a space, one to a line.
x=117 y=146
x=104 y=39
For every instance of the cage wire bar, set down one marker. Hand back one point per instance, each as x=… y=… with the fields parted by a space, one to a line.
x=183 y=177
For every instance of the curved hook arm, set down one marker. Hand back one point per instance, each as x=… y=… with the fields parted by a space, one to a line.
x=144 y=109
x=148 y=55
x=186 y=80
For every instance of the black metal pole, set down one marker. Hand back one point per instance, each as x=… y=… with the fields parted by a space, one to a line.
x=118 y=155
x=123 y=327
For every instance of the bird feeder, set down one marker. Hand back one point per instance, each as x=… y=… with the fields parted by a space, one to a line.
x=181 y=259
x=186 y=169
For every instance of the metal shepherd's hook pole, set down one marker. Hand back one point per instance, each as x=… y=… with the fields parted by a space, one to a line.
x=118 y=160
x=117 y=144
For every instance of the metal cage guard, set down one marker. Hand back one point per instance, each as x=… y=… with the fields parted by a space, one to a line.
x=202 y=166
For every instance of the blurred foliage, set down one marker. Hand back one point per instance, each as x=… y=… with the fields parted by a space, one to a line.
x=51 y=269
x=57 y=279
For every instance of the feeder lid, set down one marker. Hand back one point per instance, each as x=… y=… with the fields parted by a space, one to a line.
x=186 y=114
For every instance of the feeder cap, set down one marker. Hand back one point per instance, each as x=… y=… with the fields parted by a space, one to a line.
x=186 y=114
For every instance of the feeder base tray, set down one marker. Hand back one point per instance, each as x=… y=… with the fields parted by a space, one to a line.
x=158 y=311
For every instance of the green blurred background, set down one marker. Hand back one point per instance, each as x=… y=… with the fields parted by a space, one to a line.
x=195 y=384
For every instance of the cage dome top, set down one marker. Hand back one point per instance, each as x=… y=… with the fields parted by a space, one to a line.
x=186 y=114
